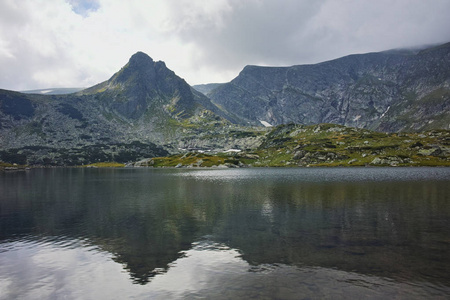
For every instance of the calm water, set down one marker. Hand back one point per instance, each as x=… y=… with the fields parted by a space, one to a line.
x=361 y=233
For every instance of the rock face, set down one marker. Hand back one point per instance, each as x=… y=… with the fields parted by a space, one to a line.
x=386 y=91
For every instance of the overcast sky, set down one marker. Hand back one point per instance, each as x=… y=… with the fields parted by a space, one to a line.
x=78 y=43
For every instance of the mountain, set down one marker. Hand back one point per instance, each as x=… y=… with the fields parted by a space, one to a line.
x=143 y=110
x=143 y=86
x=205 y=89
x=385 y=91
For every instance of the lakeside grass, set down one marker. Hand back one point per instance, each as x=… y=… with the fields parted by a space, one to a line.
x=105 y=165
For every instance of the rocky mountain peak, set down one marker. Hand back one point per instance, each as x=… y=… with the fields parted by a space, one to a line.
x=144 y=86
x=140 y=68
x=140 y=61
x=139 y=58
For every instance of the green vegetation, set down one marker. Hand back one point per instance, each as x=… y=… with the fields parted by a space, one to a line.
x=7 y=166
x=326 y=145
x=335 y=145
x=198 y=160
x=105 y=165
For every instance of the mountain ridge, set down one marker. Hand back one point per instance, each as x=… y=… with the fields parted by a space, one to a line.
x=146 y=110
x=340 y=90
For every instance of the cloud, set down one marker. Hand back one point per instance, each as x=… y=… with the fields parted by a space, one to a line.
x=49 y=44
x=361 y=26
x=78 y=43
x=251 y=32
x=298 y=32
x=30 y=42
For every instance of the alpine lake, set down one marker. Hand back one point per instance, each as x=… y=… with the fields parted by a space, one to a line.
x=256 y=233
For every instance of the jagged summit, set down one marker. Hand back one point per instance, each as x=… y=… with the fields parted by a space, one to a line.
x=141 y=60
x=141 y=69
x=143 y=85
x=140 y=57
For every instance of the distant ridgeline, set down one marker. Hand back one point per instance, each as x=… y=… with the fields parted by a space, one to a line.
x=386 y=91
x=145 y=110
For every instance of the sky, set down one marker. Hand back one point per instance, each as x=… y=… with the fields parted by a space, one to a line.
x=79 y=43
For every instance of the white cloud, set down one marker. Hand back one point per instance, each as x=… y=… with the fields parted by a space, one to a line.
x=68 y=43
x=355 y=26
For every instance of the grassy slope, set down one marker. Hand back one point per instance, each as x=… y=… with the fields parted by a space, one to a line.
x=333 y=145
x=329 y=145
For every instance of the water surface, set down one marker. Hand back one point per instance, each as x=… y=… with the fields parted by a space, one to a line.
x=225 y=234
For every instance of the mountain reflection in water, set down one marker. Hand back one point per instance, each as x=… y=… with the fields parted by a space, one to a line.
x=229 y=233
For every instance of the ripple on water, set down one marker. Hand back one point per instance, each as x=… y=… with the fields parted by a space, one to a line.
x=318 y=174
